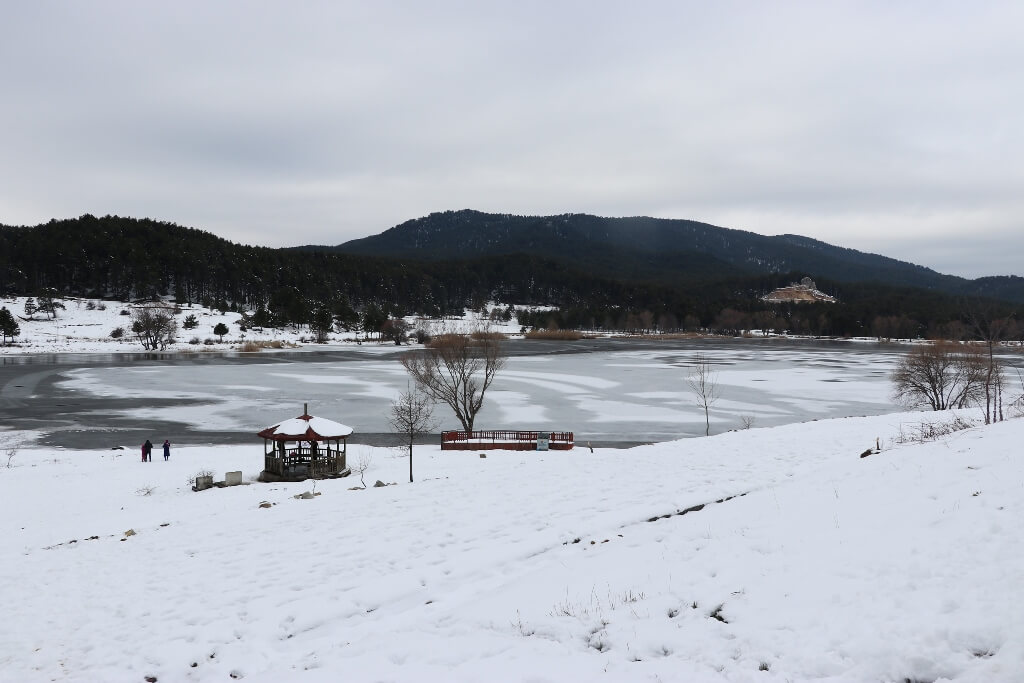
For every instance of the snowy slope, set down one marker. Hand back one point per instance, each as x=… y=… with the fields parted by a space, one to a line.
x=905 y=565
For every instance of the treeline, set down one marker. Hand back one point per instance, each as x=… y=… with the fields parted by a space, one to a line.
x=133 y=259
x=140 y=259
x=734 y=306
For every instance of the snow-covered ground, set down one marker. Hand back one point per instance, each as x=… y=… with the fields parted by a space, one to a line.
x=85 y=325
x=902 y=566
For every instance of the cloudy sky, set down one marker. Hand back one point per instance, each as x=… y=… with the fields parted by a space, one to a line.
x=891 y=127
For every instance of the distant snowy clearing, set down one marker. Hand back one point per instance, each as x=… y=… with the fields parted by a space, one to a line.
x=85 y=326
x=817 y=564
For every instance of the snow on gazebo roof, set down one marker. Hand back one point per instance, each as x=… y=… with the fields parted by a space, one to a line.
x=307 y=427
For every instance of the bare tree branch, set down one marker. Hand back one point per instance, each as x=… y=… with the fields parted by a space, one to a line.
x=941 y=376
x=412 y=415
x=703 y=382
x=457 y=370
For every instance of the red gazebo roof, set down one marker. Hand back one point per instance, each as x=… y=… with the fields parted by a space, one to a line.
x=306 y=427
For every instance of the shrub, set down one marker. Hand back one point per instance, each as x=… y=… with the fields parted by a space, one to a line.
x=561 y=335
x=923 y=432
x=154 y=327
x=124 y=311
x=117 y=333
x=480 y=335
x=200 y=473
x=90 y=306
x=208 y=341
x=194 y=340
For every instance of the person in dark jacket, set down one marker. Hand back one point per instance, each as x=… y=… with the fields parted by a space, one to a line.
x=143 y=452
x=148 y=449
x=167 y=450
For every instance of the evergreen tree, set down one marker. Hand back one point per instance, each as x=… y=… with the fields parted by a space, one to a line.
x=190 y=322
x=321 y=323
x=48 y=302
x=373 y=319
x=8 y=325
x=345 y=316
x=262 y=318
x=30 y=307
x=220 y=329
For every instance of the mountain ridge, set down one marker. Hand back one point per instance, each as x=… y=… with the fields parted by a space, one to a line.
x=672 y=251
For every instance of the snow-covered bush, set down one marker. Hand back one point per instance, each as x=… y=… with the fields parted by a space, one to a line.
x=200 y=473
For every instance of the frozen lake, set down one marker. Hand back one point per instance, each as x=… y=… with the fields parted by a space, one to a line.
x=608 y=392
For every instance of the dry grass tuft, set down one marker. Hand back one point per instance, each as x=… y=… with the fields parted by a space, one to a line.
x=481 y=335
x=561 y=335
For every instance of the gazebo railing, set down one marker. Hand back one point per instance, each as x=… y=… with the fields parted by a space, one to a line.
x=315 y=461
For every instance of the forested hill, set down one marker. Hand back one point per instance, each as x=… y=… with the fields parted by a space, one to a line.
x=666 y=250
x=127 y=258
x=610 y=283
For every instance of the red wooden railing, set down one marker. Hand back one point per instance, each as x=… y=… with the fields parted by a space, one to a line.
x=507 y=439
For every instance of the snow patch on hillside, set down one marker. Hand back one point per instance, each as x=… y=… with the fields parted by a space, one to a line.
x=85 y=326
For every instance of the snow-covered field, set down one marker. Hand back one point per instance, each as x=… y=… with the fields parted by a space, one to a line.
x=85 y=325
x=902 y=566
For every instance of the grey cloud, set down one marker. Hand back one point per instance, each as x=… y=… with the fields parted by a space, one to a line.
x=278 y=123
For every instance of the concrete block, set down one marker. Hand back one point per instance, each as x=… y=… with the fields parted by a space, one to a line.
x=233 y=478
x=203 y=483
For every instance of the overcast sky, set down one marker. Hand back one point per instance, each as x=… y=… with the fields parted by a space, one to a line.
x=890 y=127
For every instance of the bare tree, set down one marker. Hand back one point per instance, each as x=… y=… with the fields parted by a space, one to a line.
x=154 y=327
x=9 y=449
x=1017 y=404
x=365 y=460
x=457 y=370
x=411 y=415
x=703 y=382
x=992 y=331
x=396 y=330
x=941 y=376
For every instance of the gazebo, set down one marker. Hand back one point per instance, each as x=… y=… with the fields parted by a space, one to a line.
x=305 y=447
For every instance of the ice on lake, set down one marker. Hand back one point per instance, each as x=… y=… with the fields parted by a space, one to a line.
x=622 y=396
